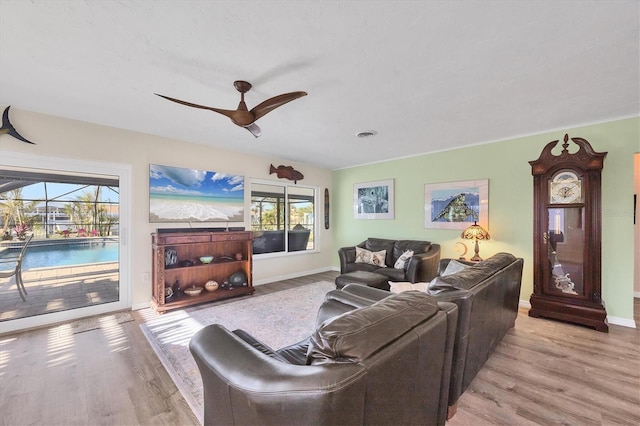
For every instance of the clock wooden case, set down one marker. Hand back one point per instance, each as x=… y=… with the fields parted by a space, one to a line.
x=567 y=234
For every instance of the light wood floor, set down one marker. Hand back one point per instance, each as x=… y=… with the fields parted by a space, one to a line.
x=544 y=372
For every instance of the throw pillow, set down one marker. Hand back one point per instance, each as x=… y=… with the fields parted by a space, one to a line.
x=453 y=267
x=371 y=257
x=400 y=287
x=403 y=259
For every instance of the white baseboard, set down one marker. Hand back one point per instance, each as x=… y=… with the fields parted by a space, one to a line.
x=621 y=321
x=524 y=304
x=139 y=306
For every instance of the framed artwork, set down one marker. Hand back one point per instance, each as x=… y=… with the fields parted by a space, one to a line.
x=373 y=200
x=456 y=205
x=187 y=195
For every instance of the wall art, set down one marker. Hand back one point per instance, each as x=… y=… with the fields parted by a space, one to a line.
x=456 y=205
x=177 y=194
x=373 y=200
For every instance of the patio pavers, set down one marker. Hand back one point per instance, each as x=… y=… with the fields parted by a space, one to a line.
x=58 y=289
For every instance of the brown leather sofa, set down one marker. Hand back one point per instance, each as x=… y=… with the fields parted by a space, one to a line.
x=423 y=266
x=487 y=295
x=385 y=363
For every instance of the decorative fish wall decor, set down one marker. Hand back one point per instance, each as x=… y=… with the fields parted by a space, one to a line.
x=286 y=172
x=7 y=127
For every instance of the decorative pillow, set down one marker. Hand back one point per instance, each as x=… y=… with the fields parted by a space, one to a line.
x=371 y=257
x=403 y=259
x=453 y=267
x=399 y=287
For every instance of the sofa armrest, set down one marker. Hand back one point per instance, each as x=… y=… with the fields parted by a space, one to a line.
x=423 y=267
x=346 y=255
x=243 y=385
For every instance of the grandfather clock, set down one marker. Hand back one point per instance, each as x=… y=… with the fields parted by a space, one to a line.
x=567 y=234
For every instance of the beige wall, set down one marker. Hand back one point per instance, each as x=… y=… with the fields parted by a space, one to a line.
x=59 y=137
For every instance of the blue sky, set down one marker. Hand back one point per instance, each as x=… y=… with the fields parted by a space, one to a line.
x=191 y=182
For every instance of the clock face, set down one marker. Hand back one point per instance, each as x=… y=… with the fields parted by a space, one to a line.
x=565 y=188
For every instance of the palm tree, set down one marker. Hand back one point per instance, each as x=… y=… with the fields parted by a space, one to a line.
x=13 y=209
x=88 y=213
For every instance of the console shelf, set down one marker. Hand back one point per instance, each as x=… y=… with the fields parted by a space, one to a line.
x=231 y=253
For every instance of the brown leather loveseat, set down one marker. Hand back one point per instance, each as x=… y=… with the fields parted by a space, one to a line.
x=487 y=295
x=421 y=266
x=385 y=363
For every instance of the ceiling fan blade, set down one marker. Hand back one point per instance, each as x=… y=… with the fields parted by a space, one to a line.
x=226 y=112
x=254 y=129
x=273 y=103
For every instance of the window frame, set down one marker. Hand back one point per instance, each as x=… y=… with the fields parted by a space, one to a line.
x=286 y=225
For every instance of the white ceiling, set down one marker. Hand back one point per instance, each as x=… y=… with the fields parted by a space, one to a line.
x=426 y=75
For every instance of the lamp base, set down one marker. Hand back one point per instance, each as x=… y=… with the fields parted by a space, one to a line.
x=476 y=257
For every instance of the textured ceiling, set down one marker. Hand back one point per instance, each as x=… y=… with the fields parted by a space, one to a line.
x=426 y=75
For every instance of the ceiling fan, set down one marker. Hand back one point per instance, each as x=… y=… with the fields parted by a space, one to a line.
x=242 y=116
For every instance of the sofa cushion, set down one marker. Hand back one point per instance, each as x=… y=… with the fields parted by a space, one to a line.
x=371 y=257
x=258 y=345
x=353 y=267
x=392 y=273
x=295 y=354
x=378 y=244
x=356 y=335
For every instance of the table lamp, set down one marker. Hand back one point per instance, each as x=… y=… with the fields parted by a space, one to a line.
x=475 y=232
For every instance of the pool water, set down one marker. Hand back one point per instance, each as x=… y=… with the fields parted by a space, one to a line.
x=65 y=255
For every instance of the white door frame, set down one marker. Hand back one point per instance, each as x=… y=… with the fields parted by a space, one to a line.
x=123 y=172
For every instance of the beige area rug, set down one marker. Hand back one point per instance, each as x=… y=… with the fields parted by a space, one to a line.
x=100 y=321
x=277 y=319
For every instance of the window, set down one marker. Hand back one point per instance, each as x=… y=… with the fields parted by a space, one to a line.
x=282 y=217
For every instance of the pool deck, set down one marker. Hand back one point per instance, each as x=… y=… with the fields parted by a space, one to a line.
x=59 y=289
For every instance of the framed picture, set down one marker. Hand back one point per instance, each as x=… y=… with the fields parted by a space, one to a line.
x=187 y=195
x=373 y=200
x=456 y=205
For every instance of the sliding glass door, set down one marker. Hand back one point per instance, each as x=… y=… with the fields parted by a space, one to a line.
x=72 y=266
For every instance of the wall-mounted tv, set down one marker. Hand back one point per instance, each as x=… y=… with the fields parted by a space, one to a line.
x=178 y=194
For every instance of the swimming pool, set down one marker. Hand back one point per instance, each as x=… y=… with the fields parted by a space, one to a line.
x=50 y=256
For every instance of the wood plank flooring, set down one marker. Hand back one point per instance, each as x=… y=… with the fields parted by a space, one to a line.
x=544 y=372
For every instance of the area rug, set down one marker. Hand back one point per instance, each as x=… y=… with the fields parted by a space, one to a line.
x=277 y=319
